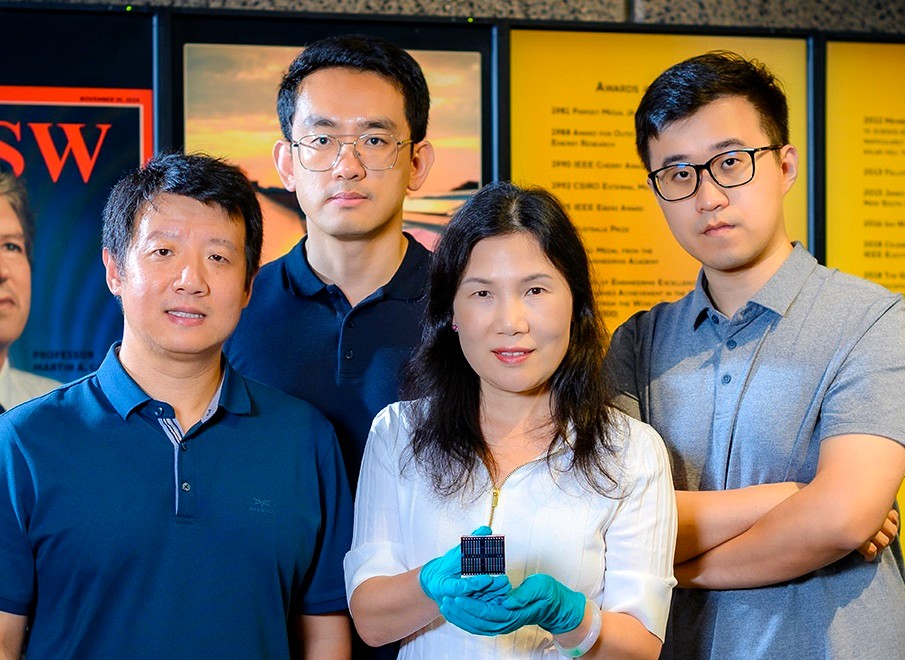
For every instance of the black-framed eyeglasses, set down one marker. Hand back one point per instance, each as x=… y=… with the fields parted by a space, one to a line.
x=375 y=151
x=729 y=169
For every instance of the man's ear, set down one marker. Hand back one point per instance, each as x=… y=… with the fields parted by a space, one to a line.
x=282 y=159
x=251 y=284
x=422 y=161
x=112 y=271
x=788 y=163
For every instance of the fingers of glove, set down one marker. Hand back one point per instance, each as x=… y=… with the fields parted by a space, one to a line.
x=465 y=620
x=487 y=611
x=479 y=617
x=469 y=586
x=536 y=588
x=439 y=569
x=498 y=588
x=547 y=603
x=468 y=624
x=486 y=587
x=441 y=576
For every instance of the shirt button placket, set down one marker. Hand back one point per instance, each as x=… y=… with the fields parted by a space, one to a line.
x=347 y=350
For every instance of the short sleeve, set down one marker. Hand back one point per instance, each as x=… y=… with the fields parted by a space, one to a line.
x=621 y=366
x=858 y=400
x=324 y=590
x=377 y=547
x=17 y=562
x=641 y=539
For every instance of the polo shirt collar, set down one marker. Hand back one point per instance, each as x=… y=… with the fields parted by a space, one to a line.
x=780 y=291
x=302 y=279
x=776 y=295
x=234 y=395
x=406 y=284
x=700 y=301
x=126 y=395
x=118 y=386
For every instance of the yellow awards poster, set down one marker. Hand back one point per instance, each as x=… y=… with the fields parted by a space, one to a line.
x=865 y=161
x=573 y=99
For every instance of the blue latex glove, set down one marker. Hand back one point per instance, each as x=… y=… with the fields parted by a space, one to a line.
x=540 y=600
x=548 y=603
x=481 y=617
x=442 y=577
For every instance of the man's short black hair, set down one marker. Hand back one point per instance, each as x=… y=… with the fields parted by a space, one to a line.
x=685 y=88
x=197 y=176
x=360 y=53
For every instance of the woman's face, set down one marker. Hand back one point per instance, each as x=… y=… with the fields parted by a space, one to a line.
x=514 y=314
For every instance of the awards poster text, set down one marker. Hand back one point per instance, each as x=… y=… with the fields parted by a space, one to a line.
x=865 y=161
x=574 y=96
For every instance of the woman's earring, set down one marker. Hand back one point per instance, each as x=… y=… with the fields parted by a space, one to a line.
x=455 y=326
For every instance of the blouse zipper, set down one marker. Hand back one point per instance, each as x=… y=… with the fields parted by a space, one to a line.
x=495 y=490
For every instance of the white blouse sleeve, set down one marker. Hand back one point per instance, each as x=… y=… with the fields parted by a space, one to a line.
x=641 y=539
x=377 y=547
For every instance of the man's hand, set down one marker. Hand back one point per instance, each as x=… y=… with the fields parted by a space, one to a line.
x=874 y=547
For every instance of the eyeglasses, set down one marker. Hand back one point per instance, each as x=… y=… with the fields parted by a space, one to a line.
x=729 y=169
x=375 y=151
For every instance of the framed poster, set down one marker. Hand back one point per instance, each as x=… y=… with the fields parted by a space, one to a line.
x=865 y=163
x=577 y=139
x=865 y=160
x=226 y=99
x=70 y=132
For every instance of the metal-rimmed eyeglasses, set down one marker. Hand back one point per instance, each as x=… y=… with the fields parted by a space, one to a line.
x=729 y=169
x=375 y=151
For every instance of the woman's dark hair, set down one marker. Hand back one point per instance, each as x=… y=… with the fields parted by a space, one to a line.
x=447 y=440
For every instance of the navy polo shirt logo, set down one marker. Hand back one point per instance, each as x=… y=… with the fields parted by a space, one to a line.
x=261 y=505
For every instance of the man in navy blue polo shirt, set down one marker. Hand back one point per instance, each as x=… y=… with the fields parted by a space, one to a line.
x=164 y=506
x=333 y=320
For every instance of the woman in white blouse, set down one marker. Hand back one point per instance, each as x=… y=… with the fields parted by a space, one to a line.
x=510 y=428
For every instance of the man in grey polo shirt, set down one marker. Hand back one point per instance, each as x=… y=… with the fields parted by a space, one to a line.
x=776 y=383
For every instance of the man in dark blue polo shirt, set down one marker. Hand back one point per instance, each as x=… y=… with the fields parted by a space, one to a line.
x=164 y=506
x=333 y=320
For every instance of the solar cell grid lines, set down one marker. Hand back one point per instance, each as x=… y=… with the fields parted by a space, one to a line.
x=483 y=555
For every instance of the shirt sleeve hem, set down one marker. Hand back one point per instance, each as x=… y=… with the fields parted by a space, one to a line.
x=370 y=560
x=337 y=604
x=644 y=597
x=12 y=607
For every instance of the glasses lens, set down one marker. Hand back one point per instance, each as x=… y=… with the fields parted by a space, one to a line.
x=677 y=181
x=377 y=151
x=733 y=168
x=318 y=152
